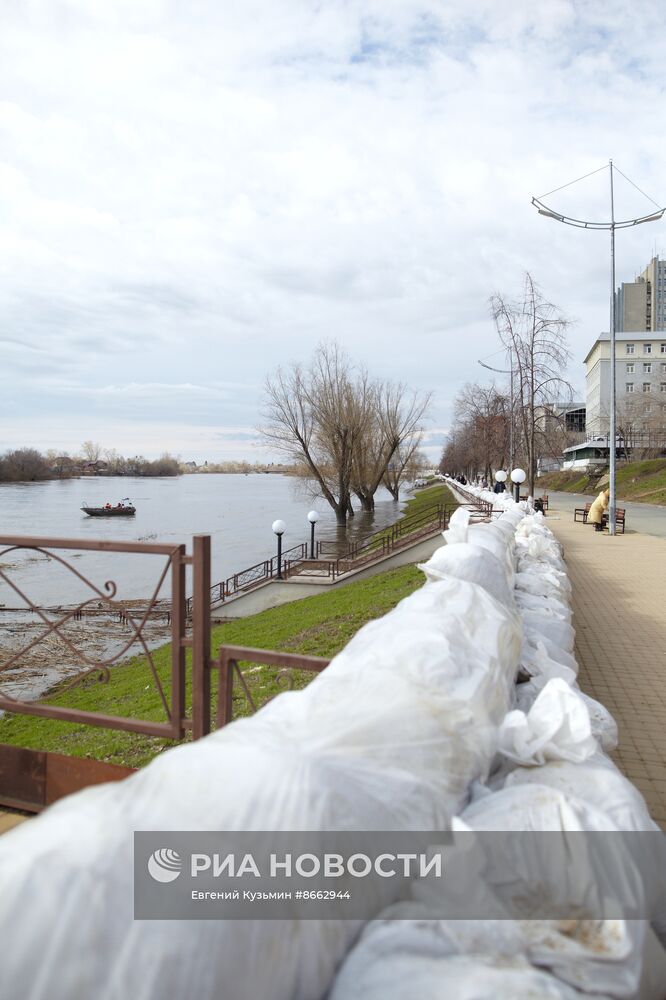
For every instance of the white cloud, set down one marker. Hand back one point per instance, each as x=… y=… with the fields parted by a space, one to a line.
x=192 y=193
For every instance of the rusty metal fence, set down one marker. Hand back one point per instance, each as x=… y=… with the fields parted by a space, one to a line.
x=30 y=779
x=105 y=596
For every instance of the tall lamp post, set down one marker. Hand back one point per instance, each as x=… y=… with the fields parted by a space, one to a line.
x=279 y=528
x=506 y=371
x=611 y=226
x=518 y=476
x=313 y=517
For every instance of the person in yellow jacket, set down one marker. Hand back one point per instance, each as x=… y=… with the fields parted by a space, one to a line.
x=598 y=509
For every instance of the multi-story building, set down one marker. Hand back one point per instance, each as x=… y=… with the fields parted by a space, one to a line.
x=641 y=304
x=640 y=380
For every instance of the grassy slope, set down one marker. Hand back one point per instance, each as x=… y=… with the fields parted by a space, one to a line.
x=319 y=625
x=641 y=481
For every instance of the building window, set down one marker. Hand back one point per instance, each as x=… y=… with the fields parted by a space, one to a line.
x=663 y=348
x=647 y=348
x=630 y=368
x=647 y=387
x=629 y=386
x=630 y=348
x=648 y=408
x=647 y=367
x=662 y=387
x=663 y=367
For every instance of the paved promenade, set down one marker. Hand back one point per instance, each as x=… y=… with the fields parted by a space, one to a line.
x=619 y=604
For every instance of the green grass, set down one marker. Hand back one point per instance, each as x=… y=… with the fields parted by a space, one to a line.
x=641 y=481
x=427 y=497
x=318 y=626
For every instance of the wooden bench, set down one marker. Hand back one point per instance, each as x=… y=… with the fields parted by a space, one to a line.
x=584 y=512
x=543 y=499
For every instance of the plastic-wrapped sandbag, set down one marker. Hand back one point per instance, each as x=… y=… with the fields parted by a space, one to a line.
x=473 y=564
x=534 y=642
x=388 y=737
x=557 y=727
x=544 y=582
x=588 y=950
x=553 y=605
x=406 y=974
x=602 y=724
x=599 y=783
x=458 y=527
x=536 y=661
x=550 y=628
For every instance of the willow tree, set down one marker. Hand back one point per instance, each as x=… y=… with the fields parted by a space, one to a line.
x=534 y=331
x=339 y=428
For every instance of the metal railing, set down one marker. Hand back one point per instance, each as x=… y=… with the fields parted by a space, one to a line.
x=330 y=563
x=253 y=576
x=104 y=596
x=228 y=662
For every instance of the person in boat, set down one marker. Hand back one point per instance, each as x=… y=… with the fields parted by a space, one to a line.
x=121 y=504
x=107 y=506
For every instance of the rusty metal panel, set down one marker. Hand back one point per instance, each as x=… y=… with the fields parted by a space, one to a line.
x=65 y=775
x=22 y=777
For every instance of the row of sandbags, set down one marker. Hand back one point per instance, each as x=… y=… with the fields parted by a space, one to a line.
x=546 y=847
x=391 y=736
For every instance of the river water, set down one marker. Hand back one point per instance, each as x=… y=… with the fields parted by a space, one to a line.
x=236 y=510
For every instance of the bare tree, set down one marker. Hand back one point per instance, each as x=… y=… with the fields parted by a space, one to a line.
x=394 y=421
x=91 y=452
x=311 y=416
x=339 y=428
x=534 y=331
x=407 y=464
x=23 y=465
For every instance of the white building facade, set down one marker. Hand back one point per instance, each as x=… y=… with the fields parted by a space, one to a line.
x=640 y=373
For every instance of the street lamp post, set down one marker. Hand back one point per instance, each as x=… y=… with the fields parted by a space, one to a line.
x=611 y=226
x=279 y=528
x=518 y=476
x=313 y=517
x=501 y=477
x=509 y=372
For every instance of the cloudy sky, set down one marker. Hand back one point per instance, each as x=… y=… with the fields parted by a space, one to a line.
x=193 y=191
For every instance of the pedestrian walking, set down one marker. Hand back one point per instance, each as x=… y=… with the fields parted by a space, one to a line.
x=598 y=509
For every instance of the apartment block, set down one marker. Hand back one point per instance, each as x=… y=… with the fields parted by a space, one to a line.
x=641 y=304
x=640 y=373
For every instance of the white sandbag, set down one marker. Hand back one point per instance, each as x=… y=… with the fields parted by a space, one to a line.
x=534 y=637
x=557 y=727
x=544 y=583
x=597 y=781
x=602 y=723
x=458 y=527
x=405 y=976
x=588 y=949
x=550 y=628
x=552 y=604
x=533 y=644
x=473 y=564
x=388 y=737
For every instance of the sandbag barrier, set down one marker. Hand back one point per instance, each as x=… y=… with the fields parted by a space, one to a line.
x=551 y=773
x=410 y=727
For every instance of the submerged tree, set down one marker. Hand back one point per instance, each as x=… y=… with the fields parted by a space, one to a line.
x=339 y=428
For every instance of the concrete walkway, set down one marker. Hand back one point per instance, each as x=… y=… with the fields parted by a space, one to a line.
x=619 y=604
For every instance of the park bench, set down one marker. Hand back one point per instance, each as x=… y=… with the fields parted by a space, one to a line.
x=584 y=511
x=543 y=499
